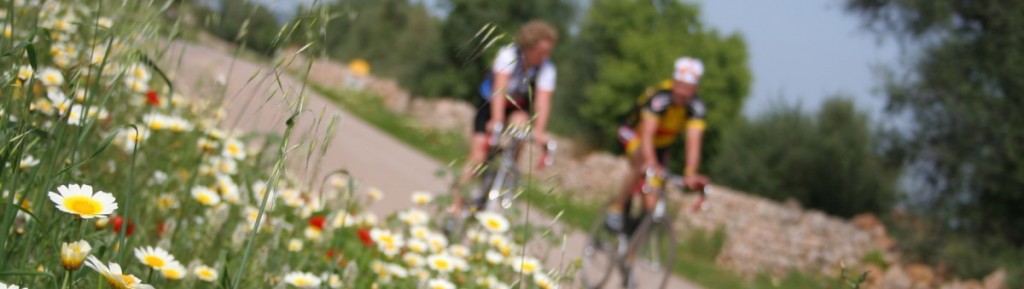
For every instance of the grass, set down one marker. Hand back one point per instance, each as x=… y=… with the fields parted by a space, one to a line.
x=696 y=257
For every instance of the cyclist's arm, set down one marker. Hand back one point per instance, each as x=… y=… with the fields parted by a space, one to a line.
x=498 y=99
x=545 y=85
x=695 y=126
x=694 y=139
x=543 y=106
x=648 y=126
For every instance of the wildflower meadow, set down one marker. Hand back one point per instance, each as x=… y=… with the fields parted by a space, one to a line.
x=116 y=179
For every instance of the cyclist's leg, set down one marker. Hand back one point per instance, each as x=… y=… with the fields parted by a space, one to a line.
x=615 y=215
x=477 y=153
x=652 y=198
x=518 y=118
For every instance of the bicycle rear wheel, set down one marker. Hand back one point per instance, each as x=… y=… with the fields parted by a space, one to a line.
x=654 y=247
x=600 y=256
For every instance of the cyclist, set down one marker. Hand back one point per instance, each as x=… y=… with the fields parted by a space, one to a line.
x=521 y=82
x=654 y=124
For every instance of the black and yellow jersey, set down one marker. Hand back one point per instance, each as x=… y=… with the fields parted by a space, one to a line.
x=672 y=117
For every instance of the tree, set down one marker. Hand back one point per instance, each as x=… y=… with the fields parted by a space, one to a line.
x=826 y=161
x=625 y=46
x=397 y=37
x=962 y=94
x=462 y=66
x=248 y=23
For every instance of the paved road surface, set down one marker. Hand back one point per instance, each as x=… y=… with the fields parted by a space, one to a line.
x=371 y=155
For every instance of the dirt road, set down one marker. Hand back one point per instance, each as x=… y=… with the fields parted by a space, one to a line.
x=370 y=155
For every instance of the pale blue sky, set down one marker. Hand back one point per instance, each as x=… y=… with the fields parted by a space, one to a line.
x=803 y=51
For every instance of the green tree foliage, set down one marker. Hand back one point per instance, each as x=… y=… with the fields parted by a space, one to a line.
x=397 y=37
x=244 y=22
x=463 y=64
x=825 y=161
x=625 y=46
x=962 y=94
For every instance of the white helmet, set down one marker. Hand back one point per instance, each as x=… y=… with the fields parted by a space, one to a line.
x=688 y=70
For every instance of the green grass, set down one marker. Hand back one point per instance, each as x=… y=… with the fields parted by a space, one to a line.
x=696 y=257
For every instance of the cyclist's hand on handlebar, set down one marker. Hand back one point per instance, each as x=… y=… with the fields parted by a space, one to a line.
x=540 y=138
x=695 y=182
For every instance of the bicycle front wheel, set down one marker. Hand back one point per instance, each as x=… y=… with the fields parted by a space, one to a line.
x=600 y=255
x=654 y=247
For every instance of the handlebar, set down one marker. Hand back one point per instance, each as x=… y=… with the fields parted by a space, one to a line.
x=547 y=156
x=654 y=178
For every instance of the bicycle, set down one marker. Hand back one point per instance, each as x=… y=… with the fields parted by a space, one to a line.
x=647 y=235
x=499 y=180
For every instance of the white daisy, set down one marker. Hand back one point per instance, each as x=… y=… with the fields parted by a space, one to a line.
x=543 y=281
x=440 y=284
x=526 y=265
x=459 y=251
x=174 y=271
x=343 y=219
x=413 y=260
x=73 y=254
x=422 y=198
x=228 y=190
x=138 y=71
x=414 y=217
x=50 y=77
x=205 y=196
x=28 y=162
x=82 y=202
x=443 y=263
x=25 y=72
x=104 y=22
x=153 y=257
x=136 y=85
x=114 y=276
x=205 y=273
x=156 y=121
x=233 y=148
x=333 y=280
x=302 y=280
x=375 y=194
x=494 y=257
x=416 y=245
x=294 y=245
x=493 y=222
x=437 y=242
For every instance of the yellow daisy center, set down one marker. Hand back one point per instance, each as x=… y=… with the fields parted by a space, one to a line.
x=156 y=125
x=442 y=264
x=173 y=274
x=529 y=267
x=302 y=282
x=83 y=205
x=52 y=78
x=494 y=224
x=205 y=199
x=128 y=280
x=234 y=149
x=154 y=261
x=205 y=274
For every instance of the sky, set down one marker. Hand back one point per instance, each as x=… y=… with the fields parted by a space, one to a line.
x=802 y=52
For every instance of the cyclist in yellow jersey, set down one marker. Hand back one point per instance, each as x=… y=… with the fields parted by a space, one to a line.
x=661 y=114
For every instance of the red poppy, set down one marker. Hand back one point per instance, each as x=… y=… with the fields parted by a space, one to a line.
x=364 y=235
x=161 y=228
x=317 y=221
x=330 y=253
x=118 y=222
x=152 y=98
